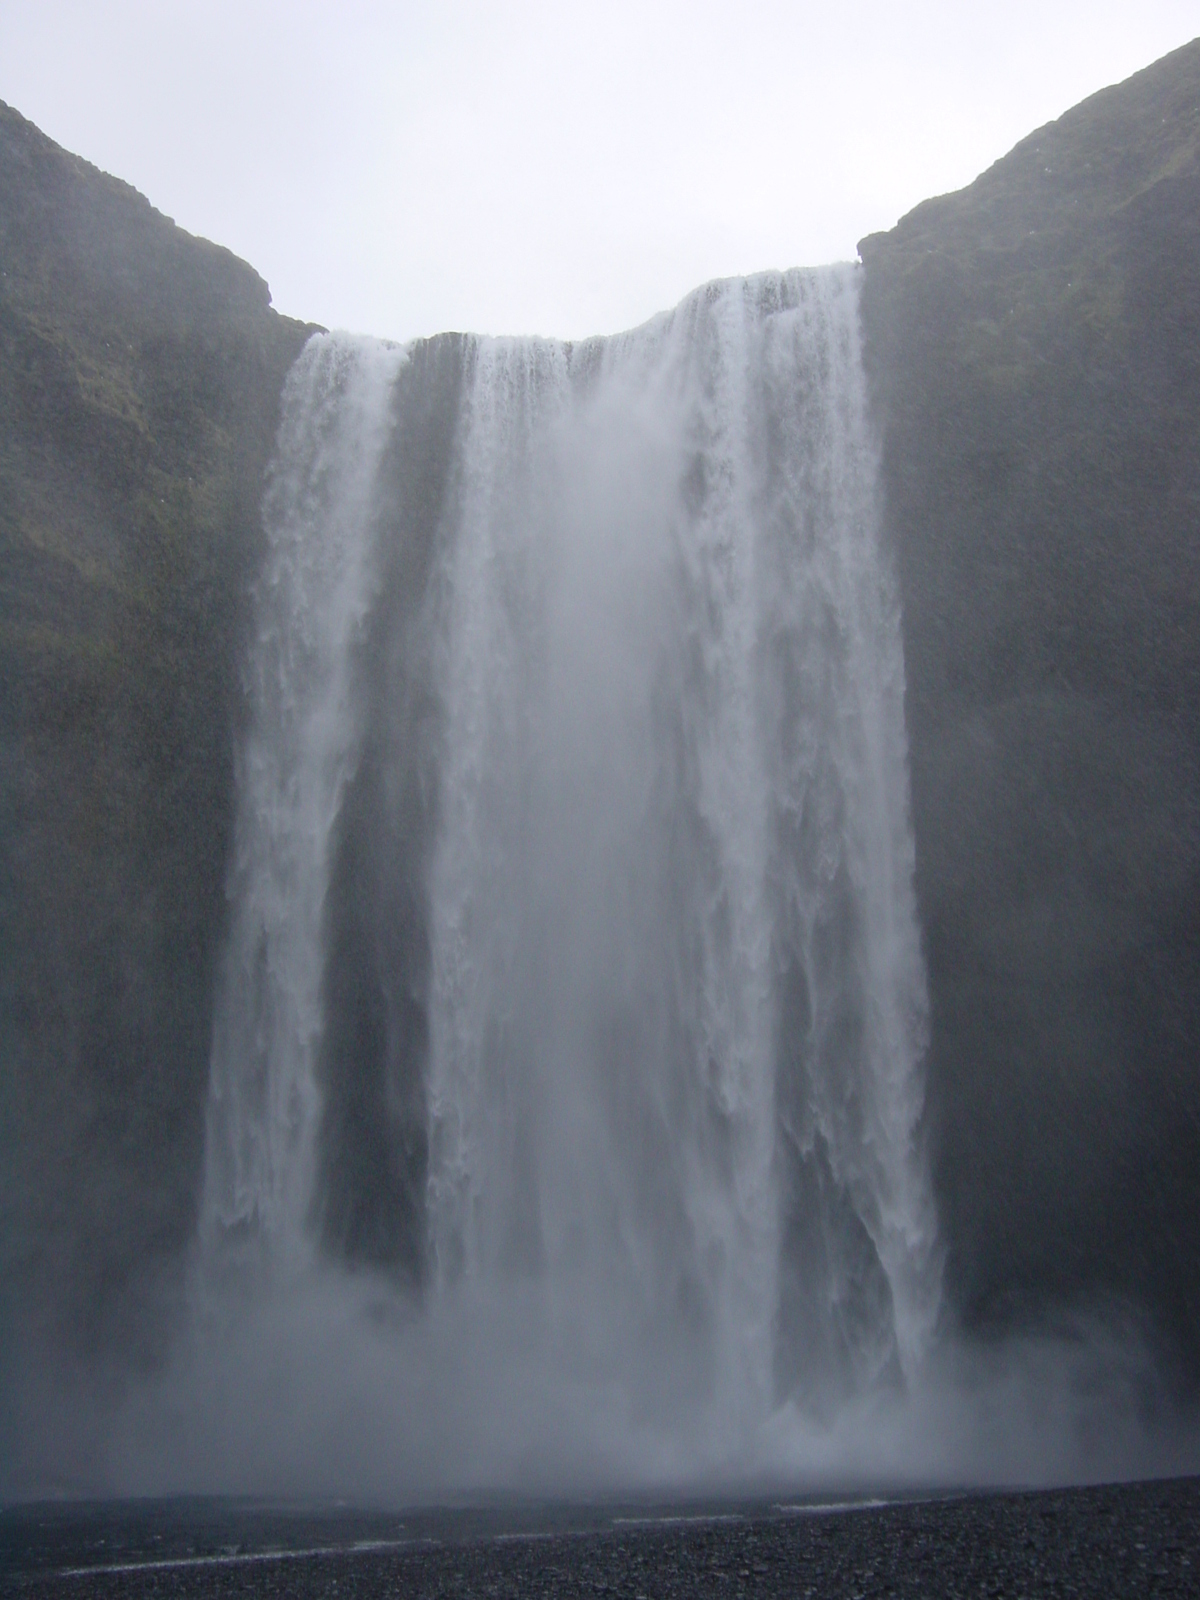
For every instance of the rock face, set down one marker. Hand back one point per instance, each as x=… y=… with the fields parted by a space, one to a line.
x=140 y=372
x=1034 y=343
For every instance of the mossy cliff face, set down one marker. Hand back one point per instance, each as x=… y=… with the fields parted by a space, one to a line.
x=140 y=373
x=1034 y=348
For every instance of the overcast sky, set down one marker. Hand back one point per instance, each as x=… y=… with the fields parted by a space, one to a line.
x=551 y=167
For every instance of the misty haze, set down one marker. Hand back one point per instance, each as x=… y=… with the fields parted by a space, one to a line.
x=600 y=938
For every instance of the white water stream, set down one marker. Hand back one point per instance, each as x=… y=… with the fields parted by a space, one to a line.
x=655 y=1131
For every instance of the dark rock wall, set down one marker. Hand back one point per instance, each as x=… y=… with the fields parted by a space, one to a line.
x=140 y=372
x=1034 y=348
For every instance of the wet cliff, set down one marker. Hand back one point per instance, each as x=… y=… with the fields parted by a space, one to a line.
x=140 y=372
x=1034 y=346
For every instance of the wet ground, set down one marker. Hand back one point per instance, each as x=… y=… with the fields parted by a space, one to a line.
x=1140 y=1539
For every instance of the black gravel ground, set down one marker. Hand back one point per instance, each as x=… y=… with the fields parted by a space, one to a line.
x=1136 y=1539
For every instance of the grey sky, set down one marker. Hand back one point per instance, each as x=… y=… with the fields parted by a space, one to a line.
x=554 y=168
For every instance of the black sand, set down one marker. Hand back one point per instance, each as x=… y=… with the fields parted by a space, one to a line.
x=1140 y=1539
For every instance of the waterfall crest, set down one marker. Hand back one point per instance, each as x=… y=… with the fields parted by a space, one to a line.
x=574 y=959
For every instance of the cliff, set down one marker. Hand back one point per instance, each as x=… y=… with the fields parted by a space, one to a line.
x=1034 y=346
x=140 y=372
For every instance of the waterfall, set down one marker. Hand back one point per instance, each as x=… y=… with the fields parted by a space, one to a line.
x=312 y=598
x=574 y=960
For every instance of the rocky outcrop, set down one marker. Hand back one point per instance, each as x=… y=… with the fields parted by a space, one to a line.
x=1034 y=345
x=140 y=372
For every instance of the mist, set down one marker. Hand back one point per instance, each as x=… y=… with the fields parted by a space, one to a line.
x=336 y=1387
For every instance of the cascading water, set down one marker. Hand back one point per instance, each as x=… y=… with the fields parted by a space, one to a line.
x=312 y=597
x=574 y=984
